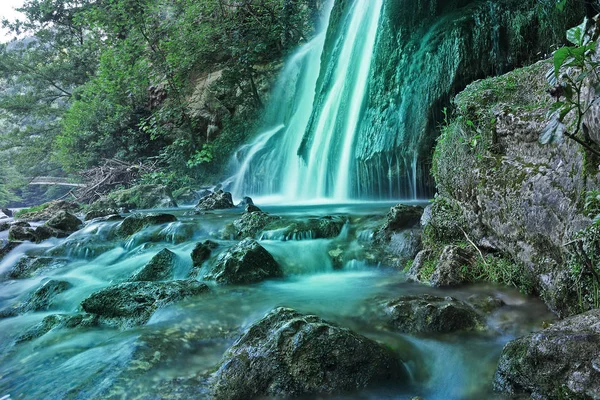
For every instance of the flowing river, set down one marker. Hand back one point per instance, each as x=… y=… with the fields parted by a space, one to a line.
x=183 y=343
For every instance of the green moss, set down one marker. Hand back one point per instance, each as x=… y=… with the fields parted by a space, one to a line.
x=32 y=210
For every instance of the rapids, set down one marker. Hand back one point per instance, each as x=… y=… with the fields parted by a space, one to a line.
x=183 y=342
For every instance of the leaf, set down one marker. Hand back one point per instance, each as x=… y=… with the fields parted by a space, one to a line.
x=561 y=5
x=576 y=35
x=560 y=56
x=553 y=132
x=596 y=220
x=551 y=77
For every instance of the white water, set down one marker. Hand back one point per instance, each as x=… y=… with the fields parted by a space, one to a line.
x=271 y=166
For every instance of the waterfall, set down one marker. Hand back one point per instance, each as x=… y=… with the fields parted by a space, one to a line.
x=306 y=150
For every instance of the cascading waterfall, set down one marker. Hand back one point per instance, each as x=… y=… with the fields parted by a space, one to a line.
x=306 y=152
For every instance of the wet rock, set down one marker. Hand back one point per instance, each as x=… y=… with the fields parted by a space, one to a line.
x=7 y=212
x=49 y=210
x=64 y=221
x=4 y=226
x=107 y=218
x=250 y=208
x=246 y=201
x=133 y=303
x=41 y=299
x=218 y=200
x=19 y=233
x=7 y=247
x=186 y=196
x=85 y=247
x=431 y=314
x=44 y=232
x=202 y=252
x=105 y=212
x=56 y=321
x=314 y=228
x=484 y=303
x=402 y=247
x=251 y=224
x=416 y=272
x=137 y=222
x=28 y=267
x=287 y=354
x=160 y=268
x=450 y=268
x=246 y=262
x=560 y=362
x=400 y=217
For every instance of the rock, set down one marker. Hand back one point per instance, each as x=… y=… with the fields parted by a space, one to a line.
x=160 y=268
x=485 y=304
x=250 y=208
x=7 y=212
x=137 y=197
x=107 y=218
x=137 y=222
x=313 y=228
x=431 y=314
x=41 y=299
x=89 y=246
x=246 y=201
x=186 y=196
x=56 y=321
x=6 y=248
x=560 y=362
x=416 y=271
x=218 y=200
x=133 y=303
x=402 y=247
x=4 y=226
x=28 y=267
x=287 y=354
x=202 y=252
x=251 y=224
x=48 y=210
x=399 y=217
x=19 y=233
x=450 y=268
x=64 y=221
x=246 y=262
x=100 y=213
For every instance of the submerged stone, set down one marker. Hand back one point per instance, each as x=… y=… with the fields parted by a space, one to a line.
x=202 y=252
x=314 y=228
x=560 y=362
x=41 y=299
x=28 y=267
x=288 y=354
x=56 y=321
x=160 y=268
x=133 y=303
x=246 y=262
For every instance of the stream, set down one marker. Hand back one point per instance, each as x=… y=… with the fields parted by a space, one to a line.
x=183 y=343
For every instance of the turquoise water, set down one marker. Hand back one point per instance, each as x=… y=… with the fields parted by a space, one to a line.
x=183 y=343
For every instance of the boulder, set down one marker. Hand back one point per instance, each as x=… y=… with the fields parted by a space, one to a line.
x=64 y=221
x=18 y=233
x=400 y=217
x=417 y=272
x=250 y=208
x=4 y=226
x=48 y=210
x=218 y=200
x=202 y=252
x=28 y=267
x=160 y=268
x=251 y=224
x=246 y=262
x=560 y=362
x=133 y=303
x=431 y=314
x=137 y=222
x=450 y=270
x=41 y=299
x=246 y=201
x=56 y=321
x=7 y=212
x=287 y=354
x=100 y=213
x=7 y=247
x=186 y=196
x=314 y=228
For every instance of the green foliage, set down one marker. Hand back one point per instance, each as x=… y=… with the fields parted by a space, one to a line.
x=173 y=180
x=592 y=206
x=446 y=225
x=574 y=68
x=32 y=210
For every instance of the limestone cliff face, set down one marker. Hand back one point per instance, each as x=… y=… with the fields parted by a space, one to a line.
x=517 y=196
x=426 y=52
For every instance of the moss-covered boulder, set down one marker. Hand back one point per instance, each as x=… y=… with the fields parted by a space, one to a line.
x=246 y=262
x=218 y=200
x=136 y=222
x=399 y=218
x=64 y=221
x=160 y=268
x=288 y=354
x=431 y=314
x=136 y=197
x=47 y=210
x=560 y=362
x=133 y=303
x=202 y=252
x=28 y=267
x=251 y=224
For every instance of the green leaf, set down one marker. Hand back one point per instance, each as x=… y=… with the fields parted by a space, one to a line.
x=576 y=35
x=561 y=5
x=553 y=132
x=560 y=56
